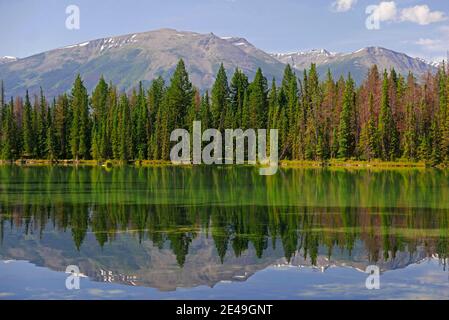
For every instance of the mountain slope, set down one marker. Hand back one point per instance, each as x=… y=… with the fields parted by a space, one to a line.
x=125 y=60
x=358 y=62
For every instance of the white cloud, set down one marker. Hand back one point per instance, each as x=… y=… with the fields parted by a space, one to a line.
x=437 y=44
x=386 y=11
x=431 y=44
x=422 y=15
x=344 y=5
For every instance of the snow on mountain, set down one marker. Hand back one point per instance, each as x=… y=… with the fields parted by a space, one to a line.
x=7 y=59
x=357 y=63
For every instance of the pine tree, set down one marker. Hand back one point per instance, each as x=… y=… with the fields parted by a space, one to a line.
x=41 y=127
x=173 y=111
x=194 y=112
x=369 y=135
x=142 y=125
x=51 y=142
x=179 y=97
x=346 y=137
x=61 y=123
x=443 y=101
x=155 y=98
x=125 y=130
x=27 y=128
x=273 y=106
x=411 y=139
x=9 y=137
x=99 y=122
x=239 y=86
x=220 y=99
x=258 y=106
x=435 y=140
x=205 y=115
x=387 y=127
x=80 y=128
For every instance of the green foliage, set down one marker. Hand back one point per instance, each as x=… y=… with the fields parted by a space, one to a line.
x=80 y=127
x=388 y=135
x=346 y=135
x=386 y=119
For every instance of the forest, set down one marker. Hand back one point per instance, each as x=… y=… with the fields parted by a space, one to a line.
x=388 y=117
x=324 y=219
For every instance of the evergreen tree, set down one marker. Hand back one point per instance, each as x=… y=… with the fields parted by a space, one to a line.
x=155 y=98
x=41 y=126
x=387 y=127
x=100 y=139
x=220 y=105
x=369 y=135
x=51 y=141
x=27 y=129
x=142 y=125
x=10 y=140
x=125 y=129
x=346 y=137
x=179 y=97
x=258 y=106
x=80 y=127
x=205 y=114
x=411 y=139
x=239 y=86
x=61 y=123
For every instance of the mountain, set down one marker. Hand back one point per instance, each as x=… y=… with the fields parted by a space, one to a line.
x=126 y=60
x=357 y=63
x=126 y=260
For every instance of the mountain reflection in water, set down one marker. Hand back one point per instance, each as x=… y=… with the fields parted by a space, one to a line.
x=174 y=227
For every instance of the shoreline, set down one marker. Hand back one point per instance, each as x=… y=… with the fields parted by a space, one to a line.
x=355 y=164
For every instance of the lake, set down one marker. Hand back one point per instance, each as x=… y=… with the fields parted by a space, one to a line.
x=223 y=233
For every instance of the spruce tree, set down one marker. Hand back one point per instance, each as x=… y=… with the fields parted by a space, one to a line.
x=239 y=86
x=220 y=105
x=99 y=120
x=346 y=136
x=51 y=142
x=80 y=127
x=61 y=123
x=410 y=134
x=258 y=106
x=387 y=127
x=142 y=125
x=155 y=97
x=41 y=127
x=27 y=129
x=369 y=136
x=205 y=114
x=125 y=130
x=179 y=97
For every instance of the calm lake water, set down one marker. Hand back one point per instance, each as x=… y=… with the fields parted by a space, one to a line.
x=223 y=233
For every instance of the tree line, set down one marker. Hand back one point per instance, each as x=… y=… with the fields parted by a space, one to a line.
x=387 y=117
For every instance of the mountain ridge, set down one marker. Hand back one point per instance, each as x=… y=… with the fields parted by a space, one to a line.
x=357 y=62
x=127 y=59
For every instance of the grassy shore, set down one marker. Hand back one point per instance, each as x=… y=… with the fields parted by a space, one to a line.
x=284 y=163
x=353 y=164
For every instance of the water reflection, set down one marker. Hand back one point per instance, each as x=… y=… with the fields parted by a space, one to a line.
x=183 y=227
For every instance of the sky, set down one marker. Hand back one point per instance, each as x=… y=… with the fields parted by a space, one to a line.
x=418 y=28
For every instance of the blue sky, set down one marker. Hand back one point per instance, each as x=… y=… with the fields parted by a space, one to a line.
x=418 y=28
